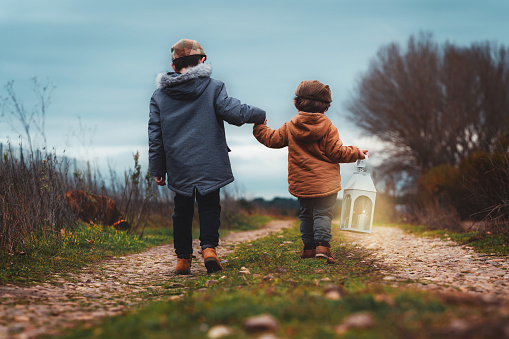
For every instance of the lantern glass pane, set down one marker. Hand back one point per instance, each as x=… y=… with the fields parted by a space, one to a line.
x=345 y=211
x=361 y=217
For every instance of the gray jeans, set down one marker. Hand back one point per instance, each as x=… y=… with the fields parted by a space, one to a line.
x=315 y=218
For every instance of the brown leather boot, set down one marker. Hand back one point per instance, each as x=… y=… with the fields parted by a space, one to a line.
x=183 y=266
x=307 y=253
x=323 y=251
x=211 y=260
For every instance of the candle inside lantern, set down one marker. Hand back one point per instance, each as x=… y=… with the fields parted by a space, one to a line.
x=362 y=220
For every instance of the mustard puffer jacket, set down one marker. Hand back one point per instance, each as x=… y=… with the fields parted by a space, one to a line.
x=314 y=153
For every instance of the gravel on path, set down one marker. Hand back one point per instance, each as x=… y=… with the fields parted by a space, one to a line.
x=103 y=290
x=432 y=263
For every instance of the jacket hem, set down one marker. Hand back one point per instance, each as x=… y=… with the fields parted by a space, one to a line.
x=202 y=192
x=218 y=186
x=316 y=195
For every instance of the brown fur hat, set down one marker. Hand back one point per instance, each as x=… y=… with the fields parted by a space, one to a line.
x=314 y=90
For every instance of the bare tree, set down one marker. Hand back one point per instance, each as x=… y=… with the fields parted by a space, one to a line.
x=432 y=103
x=29 y=119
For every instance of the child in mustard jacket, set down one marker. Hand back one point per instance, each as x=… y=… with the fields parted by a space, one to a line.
x=314 y=154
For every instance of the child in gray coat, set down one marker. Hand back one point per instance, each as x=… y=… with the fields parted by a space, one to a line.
x=187 y=146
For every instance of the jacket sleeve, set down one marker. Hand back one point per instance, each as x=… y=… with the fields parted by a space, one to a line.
x=271 y=138
x=335 y=150
x=156 y=155
x=234 y=112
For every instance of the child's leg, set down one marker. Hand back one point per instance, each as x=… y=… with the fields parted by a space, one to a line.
x=322 y=218
x=209 y=210
x=306 y=221
x=182 y=225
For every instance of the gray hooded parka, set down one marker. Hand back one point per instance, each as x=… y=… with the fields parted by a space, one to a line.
x=186 y=130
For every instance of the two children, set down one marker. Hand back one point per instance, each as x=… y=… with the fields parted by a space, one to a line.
x=187 y=146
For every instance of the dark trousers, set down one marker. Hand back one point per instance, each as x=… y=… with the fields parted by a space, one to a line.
x=209 y=211
x=315 y=218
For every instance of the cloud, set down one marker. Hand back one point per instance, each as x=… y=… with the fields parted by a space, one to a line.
x=103 y=58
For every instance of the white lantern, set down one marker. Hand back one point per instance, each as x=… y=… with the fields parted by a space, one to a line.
x=358 y=201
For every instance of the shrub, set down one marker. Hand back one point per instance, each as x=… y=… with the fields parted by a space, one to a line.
x=485 y=178
x=31 y=198
x=477 y=189
x=439 y=184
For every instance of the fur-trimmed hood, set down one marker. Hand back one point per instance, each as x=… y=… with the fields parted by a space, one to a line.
x=188 y=85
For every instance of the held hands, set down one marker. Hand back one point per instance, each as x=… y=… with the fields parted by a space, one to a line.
x=160 y=181
x=364 y=153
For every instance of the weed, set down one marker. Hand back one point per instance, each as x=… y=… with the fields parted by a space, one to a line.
x=75 y=248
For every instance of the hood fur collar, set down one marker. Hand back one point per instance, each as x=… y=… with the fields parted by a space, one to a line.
x=164 y=80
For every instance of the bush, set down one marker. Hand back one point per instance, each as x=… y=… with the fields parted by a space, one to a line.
x=439 y=184
x=31 y=198
x=485 y=179
x=477 y=189
x=433 y=214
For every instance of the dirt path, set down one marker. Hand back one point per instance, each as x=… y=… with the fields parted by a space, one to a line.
x=436 y=264
x=122 y=283
x=103 y=290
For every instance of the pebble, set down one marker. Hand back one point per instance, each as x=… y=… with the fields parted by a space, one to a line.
x=219 y=331
x=356 y=320
x=261 y=323
x=333 y=295
x=244 y=270
x=268 y=277
x=4 y=331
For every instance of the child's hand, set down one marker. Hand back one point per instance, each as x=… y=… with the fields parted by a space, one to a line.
x=364 y=153
x=160 y=181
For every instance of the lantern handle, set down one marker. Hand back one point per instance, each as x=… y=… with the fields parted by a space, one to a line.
x=362 y=164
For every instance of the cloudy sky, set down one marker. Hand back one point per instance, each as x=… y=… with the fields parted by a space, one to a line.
x=103 y=57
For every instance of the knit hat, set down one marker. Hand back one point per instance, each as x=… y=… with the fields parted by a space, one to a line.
x=314 y=90
x=186 y=47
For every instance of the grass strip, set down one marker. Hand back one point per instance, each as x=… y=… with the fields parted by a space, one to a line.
x=71 y=250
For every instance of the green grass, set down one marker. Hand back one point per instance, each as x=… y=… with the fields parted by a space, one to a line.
x=246 y=222
x=288 y=288
x=71 y=250
x=493 y=244
x=45 y=255
x=490 y=244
